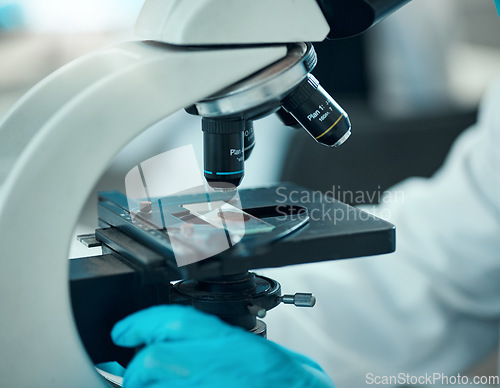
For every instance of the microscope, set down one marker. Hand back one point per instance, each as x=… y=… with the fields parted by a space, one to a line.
x=230 y=62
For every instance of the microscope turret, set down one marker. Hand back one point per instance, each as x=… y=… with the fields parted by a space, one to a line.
x=228 y=116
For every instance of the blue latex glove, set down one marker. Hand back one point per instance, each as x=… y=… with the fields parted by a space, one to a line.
x=497 y=3
x=187 y=348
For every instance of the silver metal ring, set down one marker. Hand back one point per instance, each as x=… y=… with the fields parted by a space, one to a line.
x=343 y=139
x=265 y=87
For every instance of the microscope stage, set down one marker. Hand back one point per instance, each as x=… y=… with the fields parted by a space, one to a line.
x=283 y=226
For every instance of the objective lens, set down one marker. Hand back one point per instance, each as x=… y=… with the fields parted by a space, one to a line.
x=224 y=152
x=249 y=139
x=318 y=113
x=287 y=119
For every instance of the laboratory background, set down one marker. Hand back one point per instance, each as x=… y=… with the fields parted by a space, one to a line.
x=410 y=85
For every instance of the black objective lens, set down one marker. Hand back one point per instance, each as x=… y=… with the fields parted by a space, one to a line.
x=318 y=113
x=249 y=139
x=287 y=119
x=224 y=153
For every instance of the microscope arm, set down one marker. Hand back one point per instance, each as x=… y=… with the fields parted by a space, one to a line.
x=55 y=144
x=188 y=22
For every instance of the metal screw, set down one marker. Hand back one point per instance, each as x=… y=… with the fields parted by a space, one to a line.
x=299 y=299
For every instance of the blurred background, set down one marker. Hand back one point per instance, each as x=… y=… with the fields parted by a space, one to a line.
x=410 y=86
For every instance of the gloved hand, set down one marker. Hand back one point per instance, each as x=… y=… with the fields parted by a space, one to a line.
x=188 y=348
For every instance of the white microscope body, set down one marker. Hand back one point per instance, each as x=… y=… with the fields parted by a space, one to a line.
x=59 y=138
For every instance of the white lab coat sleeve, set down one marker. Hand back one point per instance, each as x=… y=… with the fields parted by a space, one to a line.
x=432 y=306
